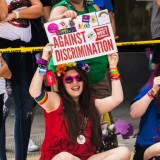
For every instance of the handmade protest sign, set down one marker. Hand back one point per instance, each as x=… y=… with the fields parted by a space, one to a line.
x=85 y=37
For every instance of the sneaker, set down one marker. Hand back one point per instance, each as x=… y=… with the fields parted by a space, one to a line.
x=32 y=146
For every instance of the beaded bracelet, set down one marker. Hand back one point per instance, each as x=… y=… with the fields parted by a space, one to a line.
x=42 y=61
x=114 y=74
x=151 y=94
x=42 y=98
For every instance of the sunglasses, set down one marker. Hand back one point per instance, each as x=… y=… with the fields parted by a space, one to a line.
x=70 y=79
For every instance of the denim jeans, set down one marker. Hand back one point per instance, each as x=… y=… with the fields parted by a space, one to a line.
x=23 y=105
x=6 y=105
x=1 y=110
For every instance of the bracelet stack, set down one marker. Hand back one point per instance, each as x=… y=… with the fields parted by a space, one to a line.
x=42 y=63
x=114 y=74
x=151 y=94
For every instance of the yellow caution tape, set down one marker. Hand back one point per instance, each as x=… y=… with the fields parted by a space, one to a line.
x=137 y=43
x=39 y=49
x=24 y=49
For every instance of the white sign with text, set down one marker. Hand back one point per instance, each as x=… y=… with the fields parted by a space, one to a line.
x=85 y=37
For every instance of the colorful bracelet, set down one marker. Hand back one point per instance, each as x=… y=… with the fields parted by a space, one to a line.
x=42 y=61
x=114 y=74
x=151 y=94
x=42 y=98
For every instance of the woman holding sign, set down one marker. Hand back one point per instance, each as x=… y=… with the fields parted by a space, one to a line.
x=99 y=73
x=98 y=65
x=72 y=115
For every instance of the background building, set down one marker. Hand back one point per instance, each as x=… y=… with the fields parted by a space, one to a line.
x=133 y=19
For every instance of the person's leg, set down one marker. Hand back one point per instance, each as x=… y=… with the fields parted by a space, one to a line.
x=23 y=114
x=5 y=109
x=152 y=151
x=32 y=146
x=139 y=152
x=64 y=156
x=1 y=110
x=120 y=153
x=24 y=105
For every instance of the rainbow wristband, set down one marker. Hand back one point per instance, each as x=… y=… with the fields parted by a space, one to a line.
x=114 y=74
x=151 y=94
x=42 y=98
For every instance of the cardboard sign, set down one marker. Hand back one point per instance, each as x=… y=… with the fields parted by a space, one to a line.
x=87 y=36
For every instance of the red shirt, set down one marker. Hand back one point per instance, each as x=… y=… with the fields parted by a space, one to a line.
x=56 y=139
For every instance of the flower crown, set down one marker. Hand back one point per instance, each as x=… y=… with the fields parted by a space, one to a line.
x=61 y=69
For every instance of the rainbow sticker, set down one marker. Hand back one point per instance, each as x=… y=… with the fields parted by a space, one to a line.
x=102 y=13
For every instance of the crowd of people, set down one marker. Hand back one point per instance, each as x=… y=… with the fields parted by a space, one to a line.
x=82 y=97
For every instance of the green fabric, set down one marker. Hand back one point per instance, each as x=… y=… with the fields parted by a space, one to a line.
x=51 y=65
x=97 y=65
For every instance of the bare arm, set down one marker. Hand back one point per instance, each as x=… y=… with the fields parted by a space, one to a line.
x=109 y=103
x=57 y=13
x=47 y=11
x=53 y=99
x=158 y=2
x=139 y=107
x=4 y=70
x=152 y=151
x=96 y=7
x=3 y=9
x=61 y=12
x=32 y=12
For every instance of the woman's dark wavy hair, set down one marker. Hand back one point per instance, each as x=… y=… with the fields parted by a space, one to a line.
x=154 y=73
x=87 y=107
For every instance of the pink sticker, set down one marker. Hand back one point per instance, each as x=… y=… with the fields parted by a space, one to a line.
x=53 y=28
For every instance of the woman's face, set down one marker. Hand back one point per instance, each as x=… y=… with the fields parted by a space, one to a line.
x=73 y=84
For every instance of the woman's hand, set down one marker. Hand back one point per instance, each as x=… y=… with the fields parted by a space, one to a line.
x=4 y=70
x=156 y=84
x=70 y=14
x=47 y=52
x=9 y=17
x=113 y=60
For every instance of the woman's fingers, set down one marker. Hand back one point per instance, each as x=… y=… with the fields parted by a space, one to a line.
x=71 y=14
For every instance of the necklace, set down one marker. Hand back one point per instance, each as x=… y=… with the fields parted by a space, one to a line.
x=81 y=138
